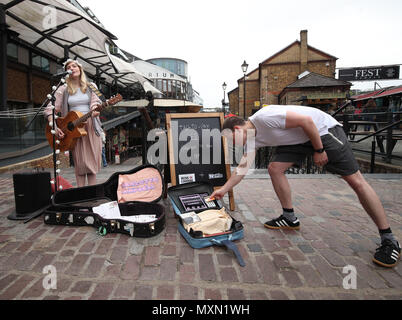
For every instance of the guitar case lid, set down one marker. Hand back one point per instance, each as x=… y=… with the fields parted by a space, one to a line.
x=141 y=184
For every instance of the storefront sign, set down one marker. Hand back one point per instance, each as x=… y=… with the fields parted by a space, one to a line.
x=159 y=75
x=326 y=95
x=369 y=73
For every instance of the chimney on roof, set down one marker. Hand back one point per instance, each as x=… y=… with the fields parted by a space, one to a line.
x=303 y=51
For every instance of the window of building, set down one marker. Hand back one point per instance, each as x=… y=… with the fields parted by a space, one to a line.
x=159 y=84
x=174 y=89
x=12 y=50
x=169 y=88
x=40 y=62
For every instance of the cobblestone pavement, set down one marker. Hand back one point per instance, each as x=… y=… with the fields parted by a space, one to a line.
x=306 y=264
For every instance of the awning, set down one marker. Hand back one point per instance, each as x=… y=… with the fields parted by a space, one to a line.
x=120 y=120
x=161 y=103
x=127 y=72
x=174 y=103
x=396 y=90
x=366 y=96
x=378 y=94
x=132 y=103
x=56 y=26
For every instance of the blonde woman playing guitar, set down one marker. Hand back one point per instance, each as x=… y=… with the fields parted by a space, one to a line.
x=72 y=100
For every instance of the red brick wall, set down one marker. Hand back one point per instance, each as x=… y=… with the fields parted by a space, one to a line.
x=17 y=85
x=40 y=89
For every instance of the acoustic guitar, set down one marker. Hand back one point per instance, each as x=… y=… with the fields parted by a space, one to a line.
x=73 y=124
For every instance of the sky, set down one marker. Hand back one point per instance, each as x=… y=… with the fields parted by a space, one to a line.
x=216 y=36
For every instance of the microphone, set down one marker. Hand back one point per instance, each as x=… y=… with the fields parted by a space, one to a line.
x=62 y=74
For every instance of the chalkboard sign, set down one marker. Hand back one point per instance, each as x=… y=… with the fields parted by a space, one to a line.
x=197 y=151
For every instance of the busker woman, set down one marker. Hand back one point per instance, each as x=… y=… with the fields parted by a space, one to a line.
x=76 y=95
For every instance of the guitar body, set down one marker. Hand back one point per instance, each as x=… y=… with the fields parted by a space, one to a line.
x=73 y=126
x=71 y=133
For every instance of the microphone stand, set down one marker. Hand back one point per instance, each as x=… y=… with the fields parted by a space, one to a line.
x=50 y=98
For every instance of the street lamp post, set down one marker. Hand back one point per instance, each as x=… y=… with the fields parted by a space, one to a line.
x=244 y=67
x=224 y=86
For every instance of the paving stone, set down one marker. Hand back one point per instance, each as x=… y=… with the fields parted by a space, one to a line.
x=212 y=294
x=165 y=292
x=305 y=248
x=82 y=287
x=136 y=249
x=102 y=291
x=168 y=269
x=143 y=292
x=268 y=271
x=278 y=295
x=228 y=275
x=255 y=247
x=236 y=294
x=206 y=267
x=188 y=292
x=152 y=256
x=292 y=279
x=281 y=261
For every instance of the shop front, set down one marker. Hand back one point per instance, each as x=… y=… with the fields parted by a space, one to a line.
x=123 y=137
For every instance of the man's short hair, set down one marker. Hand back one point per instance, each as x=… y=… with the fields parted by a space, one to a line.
x=231 y=122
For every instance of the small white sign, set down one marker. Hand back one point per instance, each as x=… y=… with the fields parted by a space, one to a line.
x=186 y=178
x=215 y=176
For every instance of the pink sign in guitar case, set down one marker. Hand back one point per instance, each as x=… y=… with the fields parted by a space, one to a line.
x=136 y=193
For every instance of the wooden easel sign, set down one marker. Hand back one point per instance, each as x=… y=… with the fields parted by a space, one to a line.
x=197 y=151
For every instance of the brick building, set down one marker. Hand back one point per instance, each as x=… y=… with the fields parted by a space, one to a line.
x=315 y=90
x=265 y=83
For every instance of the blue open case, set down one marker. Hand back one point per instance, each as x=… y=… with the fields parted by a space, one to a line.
x=176 y=195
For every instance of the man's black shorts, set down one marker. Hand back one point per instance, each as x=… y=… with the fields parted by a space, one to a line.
x=341 y=159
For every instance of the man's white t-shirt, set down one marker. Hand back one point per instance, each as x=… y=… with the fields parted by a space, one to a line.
x=270 y=123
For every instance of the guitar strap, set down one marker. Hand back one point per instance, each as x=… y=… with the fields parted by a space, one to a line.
x=97 y=92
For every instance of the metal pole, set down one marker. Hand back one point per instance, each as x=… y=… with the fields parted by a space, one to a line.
x=372 y=162
x=3 y=59
x=244 y=96
x=389 y=138
x=223 y=104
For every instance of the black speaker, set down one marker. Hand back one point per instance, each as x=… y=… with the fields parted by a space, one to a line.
x=32 y=191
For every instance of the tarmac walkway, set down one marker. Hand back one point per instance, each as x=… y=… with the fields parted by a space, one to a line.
x=306 y=264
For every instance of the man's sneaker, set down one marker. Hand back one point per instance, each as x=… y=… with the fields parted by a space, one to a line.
x=282 y=223
x=387 y=255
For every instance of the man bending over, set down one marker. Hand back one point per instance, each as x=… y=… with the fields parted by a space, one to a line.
x=298 y=132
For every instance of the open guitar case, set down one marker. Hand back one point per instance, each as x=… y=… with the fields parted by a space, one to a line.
x=75 y=207
x=197 y=240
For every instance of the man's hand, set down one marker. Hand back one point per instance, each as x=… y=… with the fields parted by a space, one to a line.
x=320 y=159
x=218 y=194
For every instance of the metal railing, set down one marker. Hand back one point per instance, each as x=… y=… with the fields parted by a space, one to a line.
x=386 y=129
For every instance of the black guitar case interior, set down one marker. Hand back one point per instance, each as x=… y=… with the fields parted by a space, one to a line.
x=137 y=192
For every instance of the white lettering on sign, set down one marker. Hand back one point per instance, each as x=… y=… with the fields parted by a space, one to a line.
x=368 y=73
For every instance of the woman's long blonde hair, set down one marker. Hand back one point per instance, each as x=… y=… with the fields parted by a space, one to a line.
x=83 y=79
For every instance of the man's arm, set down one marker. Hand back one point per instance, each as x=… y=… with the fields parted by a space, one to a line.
x=296 y=120
x=237 y=175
